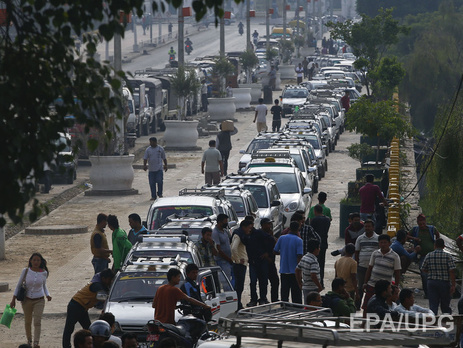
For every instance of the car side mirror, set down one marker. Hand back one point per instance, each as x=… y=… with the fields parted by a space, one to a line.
x=312 y=169
x=275 y=204
x=232 y=223
x=242 y=152
x=307 y=190
x=323 y=146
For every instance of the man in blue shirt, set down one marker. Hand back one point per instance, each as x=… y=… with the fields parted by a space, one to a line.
x=137 y=228
x=289 y=247
x=406 y=256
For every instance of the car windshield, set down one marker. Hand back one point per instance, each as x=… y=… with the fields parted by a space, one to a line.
x=237 y=203
x=159 y=215
x=286 y=182
x=137 y=286
x=258 y=144
x=298 y=158
x=312 y=139
x=295 y=93
x=260 y=195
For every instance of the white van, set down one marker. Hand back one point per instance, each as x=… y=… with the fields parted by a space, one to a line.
x=132 y=124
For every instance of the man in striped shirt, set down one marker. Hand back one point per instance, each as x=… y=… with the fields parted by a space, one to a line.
x=384 y=264
x=364 y=247
x=308 y=270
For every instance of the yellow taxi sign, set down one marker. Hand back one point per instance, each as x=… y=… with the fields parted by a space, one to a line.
x=269 y=159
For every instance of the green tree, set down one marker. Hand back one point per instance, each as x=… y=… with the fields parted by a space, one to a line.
x=184 y=83
x=369 y=40
x=248 y=60
x=377 y=120
x=222 y=68
x=286 y=49
x=41 y=70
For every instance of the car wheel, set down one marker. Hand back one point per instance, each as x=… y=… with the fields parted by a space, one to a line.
x=333 y=146
x=315 y=186
x=70 y=177
x=321 y=172
x=146 y=129
x=330 y=146
x=326 y=165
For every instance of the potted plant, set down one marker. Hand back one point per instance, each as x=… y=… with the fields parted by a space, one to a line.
x=182 y=134
x=286 y=50
x=222 y=108
x=243 y=95
x=111 y=172
x=361 y=153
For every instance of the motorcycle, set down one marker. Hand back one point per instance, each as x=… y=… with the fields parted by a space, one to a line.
x=241 y=31
x=190 y=331
x=171 y=57
x=188 y=48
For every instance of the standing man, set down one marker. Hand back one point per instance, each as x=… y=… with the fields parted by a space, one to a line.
x=137 y=228
x=406 y=255
x=99 y=245
x=440 y=268
x=82 y=301
x=308 y=270
x=322 y=196
x=276 y=112
x=299 y=73
x=272 y=77
x=204 y=101
x=305 y=65
x=221 y=238
x=345 y=101
x=354 y=230
x=368 y=194
x=154 y=156
x=190 y=287
x=229 y=90
x=424 y=235
x=267 y=227
x=321 y=224
x=384 y=264
x=346 y=268
x=261 y=116
x=224 y=145
x=289 y=247
x=169 y=30
x=214 y=165
x=364 y=247
x=240 y=257
x=121 y=245
x=206 y=248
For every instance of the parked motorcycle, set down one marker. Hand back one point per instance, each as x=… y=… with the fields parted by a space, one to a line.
x=190 y=331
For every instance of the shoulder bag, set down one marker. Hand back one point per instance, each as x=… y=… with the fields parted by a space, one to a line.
x=22 y=290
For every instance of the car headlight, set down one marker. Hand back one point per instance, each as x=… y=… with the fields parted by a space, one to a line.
x=291 y=206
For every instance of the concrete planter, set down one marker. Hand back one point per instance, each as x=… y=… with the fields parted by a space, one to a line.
x=286 y=72
x=242 y=97
x=256 y=91
x=181 y=134
x=111 y=175
x=221 y=109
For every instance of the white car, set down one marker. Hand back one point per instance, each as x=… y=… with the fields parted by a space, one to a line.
x=291 y=97
x=134 y=287
x=293 y=188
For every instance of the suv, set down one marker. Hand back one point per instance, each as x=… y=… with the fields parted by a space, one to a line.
x=134 y=287
x=180 y=247
x=291 y=97
x=292 y=187
x=266 y=194
x=262 y=141
x=242 y=200
x=185 y=226
x=190 y=203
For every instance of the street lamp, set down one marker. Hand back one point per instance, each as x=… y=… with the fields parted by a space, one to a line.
x=181 y=53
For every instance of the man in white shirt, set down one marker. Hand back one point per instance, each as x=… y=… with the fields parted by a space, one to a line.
x=299 y=73
x=212 y=160
x=261 y=116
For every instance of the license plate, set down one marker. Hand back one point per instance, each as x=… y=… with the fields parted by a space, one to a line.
x=152 y=338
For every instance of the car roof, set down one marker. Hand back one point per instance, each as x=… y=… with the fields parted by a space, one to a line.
x=181 y=201
x=274 y=169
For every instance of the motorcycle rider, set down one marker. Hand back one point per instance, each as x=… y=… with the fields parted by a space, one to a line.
x=255 y=36
x=172 y=53
x=167 y=296
x=240 y=28
x=191 y=288
x=188 y=45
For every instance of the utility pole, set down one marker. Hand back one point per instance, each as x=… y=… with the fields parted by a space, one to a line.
x=181 y=22
x=134 y=29
x=222 y=37
x=248 y=25
x=284 y=19
x=267 y=23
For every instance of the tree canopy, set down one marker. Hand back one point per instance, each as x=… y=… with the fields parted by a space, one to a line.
x=45 y=82
x=370 y=39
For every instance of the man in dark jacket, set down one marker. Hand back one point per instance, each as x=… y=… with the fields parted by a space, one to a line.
x=321 y=225
x=224 y=145
x=378 y=304
x=339 y=300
